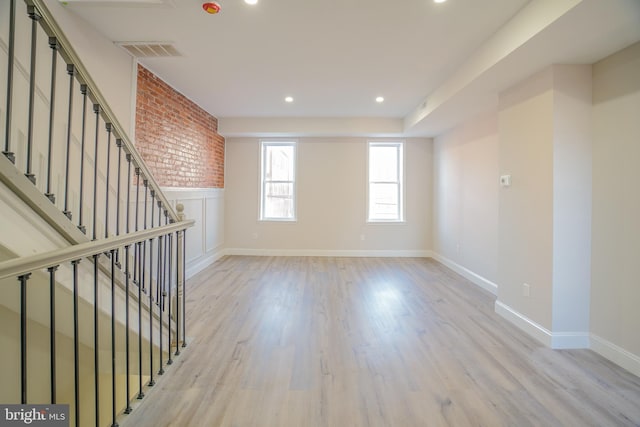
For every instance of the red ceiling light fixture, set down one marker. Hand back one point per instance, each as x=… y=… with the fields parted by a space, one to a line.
x=211 y=7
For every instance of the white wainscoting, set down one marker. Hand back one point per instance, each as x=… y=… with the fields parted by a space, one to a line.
x=205 y=239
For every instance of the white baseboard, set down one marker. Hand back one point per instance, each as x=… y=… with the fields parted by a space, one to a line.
x=197 y=265
x=616 y=354
x=485 y=284
x=329 y=253
x=555 y=340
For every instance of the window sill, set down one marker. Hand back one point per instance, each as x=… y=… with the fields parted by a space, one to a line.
x=386 y=222
x=280 y=220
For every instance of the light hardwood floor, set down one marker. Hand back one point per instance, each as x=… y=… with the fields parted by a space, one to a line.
x=311 y=341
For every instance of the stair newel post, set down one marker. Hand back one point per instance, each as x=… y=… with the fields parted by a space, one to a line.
x=83 y=91
x=96 y=340
x=10 y=61
x=113 y=339
x=96 y=111
x=35 y=17
x=169 y=286
x=151 y=381
x=52 y=329
x=23 y=336
x=118 y=200
x=106 y=202
x=160 y=286
x=71 y=71
x=127 y=410
x=53 y=44
x=76 y=344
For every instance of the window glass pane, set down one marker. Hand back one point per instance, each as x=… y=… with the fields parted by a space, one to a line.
x=383 y=163
x=279 y=163
x=383 y=201
x=278 y=200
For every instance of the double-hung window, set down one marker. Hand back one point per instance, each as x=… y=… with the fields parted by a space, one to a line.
x=386 y=173
x=278 y=181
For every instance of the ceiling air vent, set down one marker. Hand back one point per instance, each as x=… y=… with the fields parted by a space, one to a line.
x=150 y=49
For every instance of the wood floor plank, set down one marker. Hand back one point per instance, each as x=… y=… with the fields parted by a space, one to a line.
x=313 y=341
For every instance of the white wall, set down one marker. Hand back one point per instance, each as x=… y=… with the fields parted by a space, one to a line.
x=545 y=144
x=526 y=208
x=572 y=148
x=465 y=200
x=615 y=269
x=331 y=191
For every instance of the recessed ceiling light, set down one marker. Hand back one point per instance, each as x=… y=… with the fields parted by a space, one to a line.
x=251 y=1
x=379 y=99
x=439 y=1
x=288 y=99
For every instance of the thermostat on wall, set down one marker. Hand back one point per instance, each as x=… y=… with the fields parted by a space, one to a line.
x=505 y=180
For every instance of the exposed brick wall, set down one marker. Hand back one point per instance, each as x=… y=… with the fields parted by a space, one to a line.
x=178 y=140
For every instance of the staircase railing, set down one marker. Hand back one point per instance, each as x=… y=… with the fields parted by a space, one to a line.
x=66 y=155
x=170 y=240
x=62 y=135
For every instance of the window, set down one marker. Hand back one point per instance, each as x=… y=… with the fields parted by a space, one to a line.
x=385 y=191
x=278 y=179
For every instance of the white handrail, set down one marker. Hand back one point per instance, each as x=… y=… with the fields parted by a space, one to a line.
x=23 y=265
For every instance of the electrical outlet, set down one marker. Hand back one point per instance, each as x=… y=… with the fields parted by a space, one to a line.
x=362 y=237
x=526 y=290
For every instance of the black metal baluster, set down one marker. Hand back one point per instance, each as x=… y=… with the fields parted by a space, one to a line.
x=106 y=203
x=126 y=321
x=35 y=17
x=138 y=259
x=168 y=285
x=23 y=337
x=96 y=110
x=119 y=145
x=151 y=381
x=10 y=60
x=52 y=328
x=83 y=91
x=144 y=243
x=136 y=248
x=71 y=71
x=76 y=343
x=113 y=338
x=140 y=281
x=96 y=343
x=53 y=44
x=184 y=287
x=160 y=285
x=127 y=274
x=178 y=245
x=158 y=281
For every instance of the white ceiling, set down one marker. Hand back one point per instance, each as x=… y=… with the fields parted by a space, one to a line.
x=434 y=64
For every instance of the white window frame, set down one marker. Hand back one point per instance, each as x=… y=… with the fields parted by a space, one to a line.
x=263 y=181
x=399 y=145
